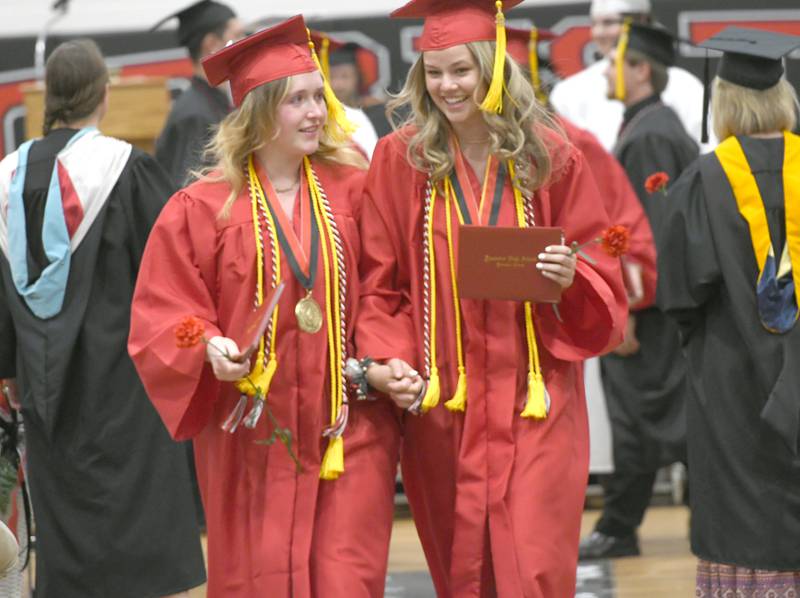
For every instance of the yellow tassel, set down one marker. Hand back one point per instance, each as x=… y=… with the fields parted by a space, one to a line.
x=432 y=392
x=333 y=461
x=536 y=406
x=459 y=400
x=247 y=385
x=325 y=58
x=533 y=61
x=264 y=378
x=339 y=127
x=493 y=102
x=622 y=48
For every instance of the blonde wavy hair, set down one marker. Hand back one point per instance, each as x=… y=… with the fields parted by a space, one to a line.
x=513 y=134
x=738 y=110
x=251 y=127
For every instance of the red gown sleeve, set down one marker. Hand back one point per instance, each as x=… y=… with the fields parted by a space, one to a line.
x=594 y=309
x=172 y=284
x=623 y=207
x=385 y=327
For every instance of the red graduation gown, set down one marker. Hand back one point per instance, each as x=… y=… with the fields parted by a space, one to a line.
x=622 y=204
x=496 y=498
x=271 y=531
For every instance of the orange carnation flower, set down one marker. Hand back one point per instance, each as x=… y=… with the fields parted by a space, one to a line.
x=189 y=332
x=656 y=182
x=616 y=240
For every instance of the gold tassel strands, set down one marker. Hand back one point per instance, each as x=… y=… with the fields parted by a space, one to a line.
x=339 y=126
x=493 y=102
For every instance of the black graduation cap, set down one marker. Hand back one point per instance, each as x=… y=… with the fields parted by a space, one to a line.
x=653 y=41
x=197 y=20
x=752 y=58
x=345 y=54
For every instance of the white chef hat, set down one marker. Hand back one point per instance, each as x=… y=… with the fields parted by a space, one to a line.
x=615 y=7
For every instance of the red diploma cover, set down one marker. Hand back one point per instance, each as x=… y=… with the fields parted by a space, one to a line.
x=499 y=262
x=256 y=323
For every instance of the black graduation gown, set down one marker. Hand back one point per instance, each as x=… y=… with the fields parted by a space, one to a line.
x=645 y=391
x=189 y=127
x=744 y=477
x=110 y=489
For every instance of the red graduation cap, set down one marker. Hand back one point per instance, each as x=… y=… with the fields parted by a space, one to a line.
x=523 y=46
x=320 y=39
x=274 y=53
x=453 y=22
x=269 y=55
x=325 y=44
x=522 y=42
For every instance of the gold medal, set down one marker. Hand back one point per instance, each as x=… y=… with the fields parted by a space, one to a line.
x=308 y=314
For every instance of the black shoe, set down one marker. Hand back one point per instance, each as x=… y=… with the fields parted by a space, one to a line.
x=601 y=546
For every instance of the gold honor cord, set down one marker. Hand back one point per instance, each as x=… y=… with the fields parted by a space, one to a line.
x=333 y=460
x=433 y=391
x=537 y=405
x=260 y=375
x=751 y=205
x=622 y=48
x=459 y=400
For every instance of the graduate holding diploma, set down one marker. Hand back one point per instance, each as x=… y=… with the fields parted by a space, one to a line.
x=495 y=465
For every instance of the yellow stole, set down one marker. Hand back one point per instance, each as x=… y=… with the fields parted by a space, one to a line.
x=778 y=306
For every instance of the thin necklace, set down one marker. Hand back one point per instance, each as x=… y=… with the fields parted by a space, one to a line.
x=289 y=188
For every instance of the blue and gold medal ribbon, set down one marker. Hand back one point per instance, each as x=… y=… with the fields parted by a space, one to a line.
x=778 y=281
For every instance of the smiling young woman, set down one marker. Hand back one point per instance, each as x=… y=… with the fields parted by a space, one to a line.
x=496 y=476
x=281 y=205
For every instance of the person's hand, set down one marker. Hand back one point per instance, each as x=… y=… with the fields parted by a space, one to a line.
x=557 y=262
x=630 y=345
x=222 y=353
x=397 y=379
x=634 y=283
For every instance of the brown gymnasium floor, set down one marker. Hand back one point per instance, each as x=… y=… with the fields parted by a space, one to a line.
x=665 y=569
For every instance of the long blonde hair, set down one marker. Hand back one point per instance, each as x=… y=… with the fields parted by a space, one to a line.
x=513 y=135
x=739 y=110
x=249 y=128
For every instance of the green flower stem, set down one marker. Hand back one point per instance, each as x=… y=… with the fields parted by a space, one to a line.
x=578 y=250
x=278 y=433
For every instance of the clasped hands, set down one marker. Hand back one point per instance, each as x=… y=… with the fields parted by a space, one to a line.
x=397 y=379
